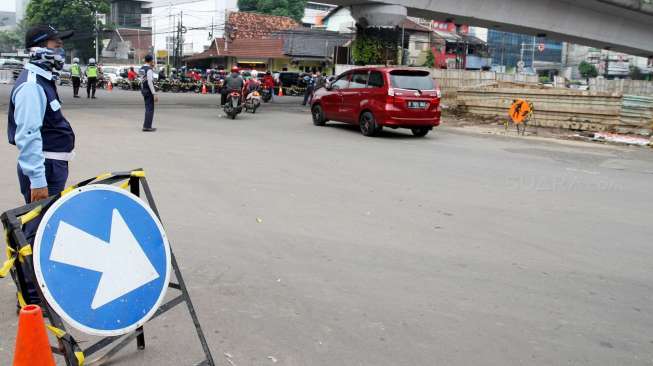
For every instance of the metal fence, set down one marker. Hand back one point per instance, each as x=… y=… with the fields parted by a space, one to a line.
x=630 y=87
x=450 y=81
x=6 y=76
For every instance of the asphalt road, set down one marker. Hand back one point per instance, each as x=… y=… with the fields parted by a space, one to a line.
x=309 y=245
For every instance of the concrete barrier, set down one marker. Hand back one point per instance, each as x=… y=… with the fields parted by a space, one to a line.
x=558 y=108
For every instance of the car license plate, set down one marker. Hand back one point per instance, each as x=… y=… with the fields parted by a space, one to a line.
x=417 y=105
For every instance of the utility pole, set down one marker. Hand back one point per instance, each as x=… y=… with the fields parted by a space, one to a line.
x=533 y=58
x=402 y=46
x=97 y=40
x=180 y=39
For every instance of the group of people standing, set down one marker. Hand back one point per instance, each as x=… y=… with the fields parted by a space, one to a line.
x=91 y=73
x=313 y=82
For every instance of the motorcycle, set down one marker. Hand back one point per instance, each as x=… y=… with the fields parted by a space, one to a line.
x=266 y=94
x=253 y=101
x=233 y=106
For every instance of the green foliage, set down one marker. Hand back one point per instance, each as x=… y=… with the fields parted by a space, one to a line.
x=69 y=14
x=247 y=5
x=430 y=59
x=636 y=73
x=10 y=41
x=288 y=8
x=587 y=70
x=367 y=50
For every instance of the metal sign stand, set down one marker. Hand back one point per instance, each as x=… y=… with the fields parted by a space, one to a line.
x=13 y=221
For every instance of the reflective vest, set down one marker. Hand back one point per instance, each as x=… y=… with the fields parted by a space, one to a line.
x=91 y=72
x=75 y=70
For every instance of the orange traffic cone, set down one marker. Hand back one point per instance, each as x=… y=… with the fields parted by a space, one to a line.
x=281 y=90
x=203 y=88
x=109 y=86
x=32 y=345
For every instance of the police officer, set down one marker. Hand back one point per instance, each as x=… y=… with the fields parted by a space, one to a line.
x=149 y=92
x=309 y=81
x=91 y=78
x=38 y=128
x=76 y=76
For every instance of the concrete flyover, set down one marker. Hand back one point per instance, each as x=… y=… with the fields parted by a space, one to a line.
x=619 y=25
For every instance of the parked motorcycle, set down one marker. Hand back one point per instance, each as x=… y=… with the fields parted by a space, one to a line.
x=233 y=106
x=253 y=101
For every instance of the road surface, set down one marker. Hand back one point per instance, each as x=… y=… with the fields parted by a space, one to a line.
x=307 y=245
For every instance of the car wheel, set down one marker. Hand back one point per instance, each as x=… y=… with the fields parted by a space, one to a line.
x=368 y=125
x=318 y=115
x=421 y=132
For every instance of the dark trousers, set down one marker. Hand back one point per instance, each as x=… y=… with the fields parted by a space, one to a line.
x=56 y=174
x=90 y=87
x=223 y=96
x=148 y=97
x=308 y=94
x=76 y=83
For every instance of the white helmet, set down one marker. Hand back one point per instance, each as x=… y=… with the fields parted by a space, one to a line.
x=91 y=61
x=75 y=60
x=254 y=73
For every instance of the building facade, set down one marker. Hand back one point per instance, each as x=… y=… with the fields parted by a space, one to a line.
x=203 y=21
x=314 y=14
x=508 y=49
x=21 y=6
x=129 y=13
x=7 y=20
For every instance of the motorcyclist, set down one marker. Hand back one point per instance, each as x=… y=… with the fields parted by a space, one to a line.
x=268 y=81
x=252 y=83
x=233 y=82
x=132 y=74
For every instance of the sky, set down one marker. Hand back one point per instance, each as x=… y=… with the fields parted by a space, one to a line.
x=7 y=5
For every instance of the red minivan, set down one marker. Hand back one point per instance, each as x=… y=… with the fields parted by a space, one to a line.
x=374 y=97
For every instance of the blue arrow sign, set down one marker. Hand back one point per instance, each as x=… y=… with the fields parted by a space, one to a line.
x=102 y=260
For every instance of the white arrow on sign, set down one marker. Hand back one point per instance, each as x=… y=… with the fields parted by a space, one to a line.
x=122 y=262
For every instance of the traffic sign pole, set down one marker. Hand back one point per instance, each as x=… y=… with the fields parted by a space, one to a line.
x=48 y=209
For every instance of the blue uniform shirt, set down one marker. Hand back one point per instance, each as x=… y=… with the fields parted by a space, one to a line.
x=30 y=103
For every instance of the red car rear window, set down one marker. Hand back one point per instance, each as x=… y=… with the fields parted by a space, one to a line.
x=411 y=79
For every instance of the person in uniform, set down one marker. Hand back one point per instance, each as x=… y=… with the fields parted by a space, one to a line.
x=149 y=92
x=76 y=76
x=91 y=78
x=36 y=125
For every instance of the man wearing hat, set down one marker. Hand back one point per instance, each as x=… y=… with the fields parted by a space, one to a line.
x=38 y=128
x=149 y=92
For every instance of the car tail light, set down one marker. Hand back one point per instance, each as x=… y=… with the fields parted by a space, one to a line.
x=438 y=92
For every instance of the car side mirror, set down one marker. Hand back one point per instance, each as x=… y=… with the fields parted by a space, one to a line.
x=328 y=86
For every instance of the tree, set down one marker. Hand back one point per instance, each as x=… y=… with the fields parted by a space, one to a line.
x=287 y=8
x=247 y=5
x=587 y=70
x=10 y=41
x=366 y=50
x=69 y=14
x=636 y=73
x=430 y=59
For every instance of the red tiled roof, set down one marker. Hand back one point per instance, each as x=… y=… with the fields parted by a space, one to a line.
x=255 y=48
x=410 y=25
x=256 y=26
